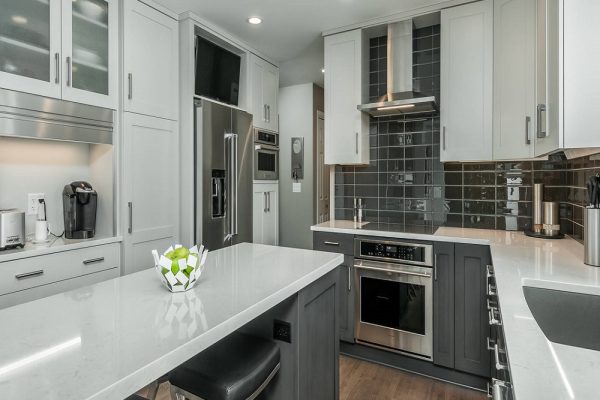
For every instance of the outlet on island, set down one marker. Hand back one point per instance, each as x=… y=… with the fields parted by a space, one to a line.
x=282 y=331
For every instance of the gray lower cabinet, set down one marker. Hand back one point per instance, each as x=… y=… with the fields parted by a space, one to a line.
x=443 y=304
x=346 y=299
x=319 y=340
x=344 y=244
x=471 y=318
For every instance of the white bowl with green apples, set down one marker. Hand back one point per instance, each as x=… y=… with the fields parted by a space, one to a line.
x=179 y=268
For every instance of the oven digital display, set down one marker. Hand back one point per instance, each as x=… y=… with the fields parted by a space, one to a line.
x=394 y=252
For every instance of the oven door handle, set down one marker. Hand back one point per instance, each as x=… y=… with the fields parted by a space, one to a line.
x=393 y=271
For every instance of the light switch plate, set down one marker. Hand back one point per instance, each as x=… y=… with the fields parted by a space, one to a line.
x=33 y=200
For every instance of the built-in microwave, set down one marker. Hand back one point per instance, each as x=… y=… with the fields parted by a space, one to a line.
x=266 y=155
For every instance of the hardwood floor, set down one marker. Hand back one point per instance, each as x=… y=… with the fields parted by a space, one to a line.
x=362 y=380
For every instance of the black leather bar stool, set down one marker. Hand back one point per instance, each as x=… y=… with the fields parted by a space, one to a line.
x=239 y=367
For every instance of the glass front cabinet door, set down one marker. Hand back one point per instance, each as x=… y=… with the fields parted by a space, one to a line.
x=30 y=46
x=60 y=48
x=89 y=44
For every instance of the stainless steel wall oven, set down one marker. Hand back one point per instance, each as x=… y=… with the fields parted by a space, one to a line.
x=266 y=155
x=394 y=305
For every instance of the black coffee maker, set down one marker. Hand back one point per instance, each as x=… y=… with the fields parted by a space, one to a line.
x=79 y=207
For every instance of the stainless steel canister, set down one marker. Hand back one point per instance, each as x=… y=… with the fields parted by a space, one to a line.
x=538 y=197
x=551 y=218
x=592 y=236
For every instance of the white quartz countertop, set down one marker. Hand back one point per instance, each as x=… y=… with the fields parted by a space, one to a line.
x=540 y=369
x=108 y=340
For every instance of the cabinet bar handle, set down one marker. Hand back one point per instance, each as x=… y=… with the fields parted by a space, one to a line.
x=489 y=269
x=130 y=228
x=264 y=112
x=349 y=278
x=444 y=138
x=331 y=243
x=435 y=259
x=492 y=290
x=269 y=201
x=356 y=142
x=30 y=274
x=527 y=135
x=268 y=113
x=93 y=260
x=57 y=65
x=130 y=86
x=265 y=198
x=68 y=71
x=541 y=108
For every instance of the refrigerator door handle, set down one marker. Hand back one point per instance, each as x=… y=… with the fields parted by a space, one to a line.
x=235 y=182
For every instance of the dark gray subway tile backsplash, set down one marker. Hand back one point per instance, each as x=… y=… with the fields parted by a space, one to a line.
x=405 y=182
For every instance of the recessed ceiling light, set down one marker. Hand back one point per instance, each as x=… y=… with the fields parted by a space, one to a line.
x=323 y=70
x=254 y=20
x=19 y=19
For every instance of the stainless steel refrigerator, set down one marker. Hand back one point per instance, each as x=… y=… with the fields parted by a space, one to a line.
x=223 y=171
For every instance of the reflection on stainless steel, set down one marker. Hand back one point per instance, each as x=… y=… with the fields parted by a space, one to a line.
x=30 y=116
x=40 y=355
x=538 y=196
x=592 y=236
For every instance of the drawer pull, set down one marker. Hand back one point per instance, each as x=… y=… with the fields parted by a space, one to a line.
x=30 y=274
x=328 y=243
x=93 y=260
x=492 y=317
x=489 y=271
x=492 y=290
x=499 y=365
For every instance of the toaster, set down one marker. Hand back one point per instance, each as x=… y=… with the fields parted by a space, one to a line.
x=12 y=228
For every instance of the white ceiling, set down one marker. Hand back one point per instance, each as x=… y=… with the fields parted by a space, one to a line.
x=289 y=26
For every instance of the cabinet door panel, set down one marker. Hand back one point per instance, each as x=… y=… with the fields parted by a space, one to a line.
x=346 y=299
x=346 y=128
x=30 y=46
x=471 y=319
x=151 y=185
x=90 y=51
x=443 y=305
x=466 y=82
x=514 y=78
x=150 y=58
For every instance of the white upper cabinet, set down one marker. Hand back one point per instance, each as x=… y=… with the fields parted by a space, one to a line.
x=150 y=55
x=30 y=46
x=63 y=49
x=568 y=80
x=514 y=78
x=90 y=51
x=265 y=88
x=346 y=128
x=466 y=82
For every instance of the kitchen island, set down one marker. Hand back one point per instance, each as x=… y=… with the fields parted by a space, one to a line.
x=108 y=340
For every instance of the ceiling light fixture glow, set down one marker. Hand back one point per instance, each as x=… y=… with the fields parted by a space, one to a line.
x=254 y=20
x=395 y=107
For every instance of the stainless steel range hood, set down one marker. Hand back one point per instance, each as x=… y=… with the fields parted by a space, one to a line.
x=400 y=97
x=26 y=115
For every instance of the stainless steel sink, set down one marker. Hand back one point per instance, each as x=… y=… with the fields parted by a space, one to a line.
x=566 y=317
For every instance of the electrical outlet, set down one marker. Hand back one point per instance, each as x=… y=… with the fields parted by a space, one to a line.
x=33 y=200
x=282 y=331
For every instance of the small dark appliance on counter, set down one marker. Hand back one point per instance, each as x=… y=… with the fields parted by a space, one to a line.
x=80 y=202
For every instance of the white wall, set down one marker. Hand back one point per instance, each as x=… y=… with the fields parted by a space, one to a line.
x=295 y=209
x=305 y=68
x=43 y=166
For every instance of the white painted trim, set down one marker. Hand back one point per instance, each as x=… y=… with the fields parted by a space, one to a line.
x=160 y=8
x=225 y=35
x=399 y=16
